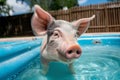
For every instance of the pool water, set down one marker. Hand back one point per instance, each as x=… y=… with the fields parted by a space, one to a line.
x=97 y=62
x=100 y=60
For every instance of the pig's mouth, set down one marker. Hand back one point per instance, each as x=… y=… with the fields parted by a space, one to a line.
x=63 y=57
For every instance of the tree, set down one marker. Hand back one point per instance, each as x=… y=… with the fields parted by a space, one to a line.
x=53 y=4
x=43 y=3
x=59 y=4
x=2 y=2
x=4 y=8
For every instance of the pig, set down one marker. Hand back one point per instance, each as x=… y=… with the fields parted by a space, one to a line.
x=60 y=41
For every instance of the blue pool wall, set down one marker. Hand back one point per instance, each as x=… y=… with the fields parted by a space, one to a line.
x=15 y=55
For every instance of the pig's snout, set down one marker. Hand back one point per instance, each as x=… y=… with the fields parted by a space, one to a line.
x=73 y=51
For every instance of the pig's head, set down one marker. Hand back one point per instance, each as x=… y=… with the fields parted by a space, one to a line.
x=62 y=35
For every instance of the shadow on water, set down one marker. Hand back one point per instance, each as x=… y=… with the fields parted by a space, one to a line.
x=59 y=71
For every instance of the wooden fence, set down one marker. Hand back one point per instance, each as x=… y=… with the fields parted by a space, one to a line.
x=107 y=19
x=107 y=16
x=19 y=25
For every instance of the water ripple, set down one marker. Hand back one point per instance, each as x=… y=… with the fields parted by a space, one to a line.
x=96 y=63
x=98 y=67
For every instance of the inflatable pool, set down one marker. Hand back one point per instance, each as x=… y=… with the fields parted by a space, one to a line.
x=100 y=60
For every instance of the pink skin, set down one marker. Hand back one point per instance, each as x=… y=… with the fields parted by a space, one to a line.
x=69 y=48
x=73 y=51
x=60 y=43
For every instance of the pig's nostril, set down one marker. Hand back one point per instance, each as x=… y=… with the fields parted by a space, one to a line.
x=73 y=51
x=78 y=52
x=70 y=52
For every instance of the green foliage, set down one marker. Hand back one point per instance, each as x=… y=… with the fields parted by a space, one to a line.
x=43 y=3
x=59 y=4
x=53 y=4
x=4 y=8
x=2 y=2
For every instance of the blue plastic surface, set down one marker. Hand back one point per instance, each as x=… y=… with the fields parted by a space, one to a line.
x=14 y=56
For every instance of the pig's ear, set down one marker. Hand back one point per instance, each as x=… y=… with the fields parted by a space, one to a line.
x=40 y=20
x=82 y=24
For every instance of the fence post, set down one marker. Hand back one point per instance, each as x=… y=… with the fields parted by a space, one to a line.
x=70 y=14
x=106 y=19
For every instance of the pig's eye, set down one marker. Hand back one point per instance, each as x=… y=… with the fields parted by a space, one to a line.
x=56 y=34
x=76 y=36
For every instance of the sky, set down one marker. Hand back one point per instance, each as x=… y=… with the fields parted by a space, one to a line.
x=19 y=8
x=89 y=2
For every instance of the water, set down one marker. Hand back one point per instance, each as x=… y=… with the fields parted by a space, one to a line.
x=98 y=62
